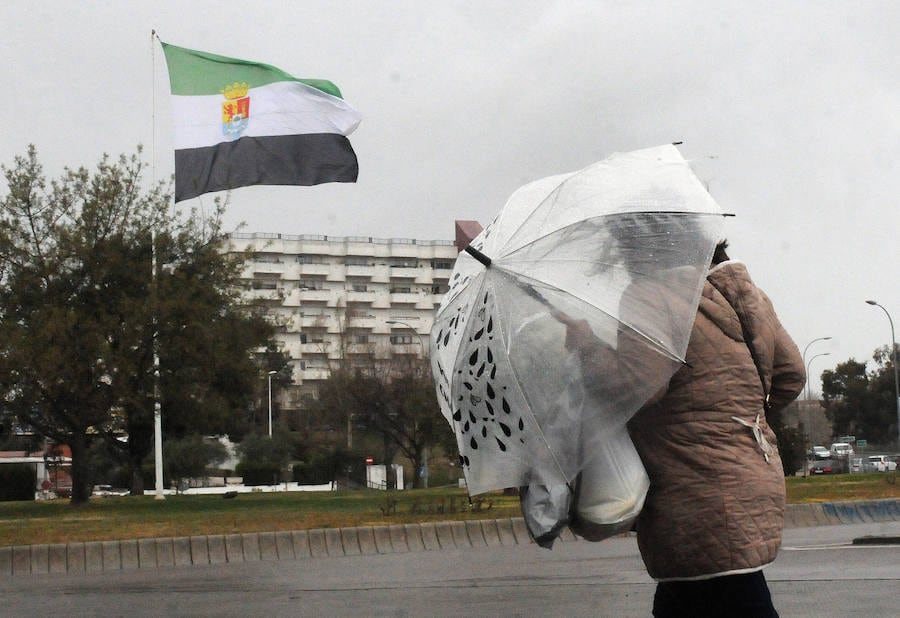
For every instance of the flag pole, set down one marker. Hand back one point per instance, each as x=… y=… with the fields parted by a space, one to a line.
x=157 y=406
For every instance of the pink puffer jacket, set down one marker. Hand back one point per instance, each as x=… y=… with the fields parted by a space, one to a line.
x=716 y=499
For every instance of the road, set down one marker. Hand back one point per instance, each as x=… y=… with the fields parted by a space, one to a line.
x=818 y=573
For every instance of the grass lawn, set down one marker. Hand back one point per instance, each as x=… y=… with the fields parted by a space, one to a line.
x=131 y=517
x=841 y=487
x=55 y=521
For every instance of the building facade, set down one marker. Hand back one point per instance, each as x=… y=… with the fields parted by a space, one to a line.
x=347 y=299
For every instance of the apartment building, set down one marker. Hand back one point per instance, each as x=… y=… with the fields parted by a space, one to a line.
x=344 y=298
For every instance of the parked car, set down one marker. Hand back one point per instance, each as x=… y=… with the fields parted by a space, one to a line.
x=821 y=466
x=820 y=452
x=841 y=449
x=880 y=463
x=106 y=491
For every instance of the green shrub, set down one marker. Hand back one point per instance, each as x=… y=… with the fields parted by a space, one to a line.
x=17 y=482
x=320 y=469
x=259 y=473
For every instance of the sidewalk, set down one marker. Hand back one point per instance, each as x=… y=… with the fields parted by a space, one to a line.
x=103 y=556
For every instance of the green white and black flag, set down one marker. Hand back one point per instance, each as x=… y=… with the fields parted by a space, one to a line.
x=240 y=123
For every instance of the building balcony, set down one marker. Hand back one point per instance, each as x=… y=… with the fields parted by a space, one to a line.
x=318 y=347
x=409 y=298
x=268 y=268
x=360 y=297
x=264 y=294
x=316 y=373
x=399 y=272
x=314 y=269
x=441 y=274
x=360 y=348
x=361 y=271
x=414 y=349
x=314 y=295
x=312 y=321
x=367 y=322
x=425 y=302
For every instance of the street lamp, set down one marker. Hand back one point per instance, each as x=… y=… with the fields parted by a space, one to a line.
x=894 y=361
x=422 y=345
x=271 y=373
x=410 y=327
x=804 y=361
x=808 y=393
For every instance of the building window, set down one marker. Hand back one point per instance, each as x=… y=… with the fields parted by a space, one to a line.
x=357 y=260
x=311 y=284
x=267 y=258
x=360 y=287
x=404 y=263
x=311 y=259
x=402 y=289
x=442 y=264
x=401 y=339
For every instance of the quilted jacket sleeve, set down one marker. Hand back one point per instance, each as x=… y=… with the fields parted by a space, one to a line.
x=788 y=372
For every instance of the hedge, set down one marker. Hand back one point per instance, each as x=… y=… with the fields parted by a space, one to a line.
x=17 y=482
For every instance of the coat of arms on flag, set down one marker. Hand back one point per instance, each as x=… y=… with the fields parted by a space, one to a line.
x=235 y=109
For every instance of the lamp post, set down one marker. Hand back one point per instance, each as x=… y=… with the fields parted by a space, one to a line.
x=893 y=361
x=422 y=346
x=808 y=392
x=271 y=373
x=807 y=404
x=804 y=360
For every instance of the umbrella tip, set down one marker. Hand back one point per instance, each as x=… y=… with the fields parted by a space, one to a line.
x=677 y=143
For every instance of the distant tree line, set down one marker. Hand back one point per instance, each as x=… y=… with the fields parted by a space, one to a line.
x=860 y=401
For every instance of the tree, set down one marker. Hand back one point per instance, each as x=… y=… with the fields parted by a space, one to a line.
x=860 y=402
x=263 y=458
x=82 y=311
x=880 y=424
x=188 y=457
x=397 y=398
x=845 y=393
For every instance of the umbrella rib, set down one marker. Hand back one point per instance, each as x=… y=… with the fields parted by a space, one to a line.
x=529 y=289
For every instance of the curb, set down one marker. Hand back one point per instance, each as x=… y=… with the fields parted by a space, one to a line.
x=108 y=556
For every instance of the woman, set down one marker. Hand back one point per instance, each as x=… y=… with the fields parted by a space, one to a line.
x=713 y=516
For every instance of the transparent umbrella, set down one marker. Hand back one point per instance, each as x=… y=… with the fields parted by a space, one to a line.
x=567 y=314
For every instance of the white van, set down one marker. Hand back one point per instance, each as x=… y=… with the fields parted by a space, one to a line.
x=881 y=463
x=841 y=449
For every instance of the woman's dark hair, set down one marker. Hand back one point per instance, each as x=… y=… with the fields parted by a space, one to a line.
x=719 y=255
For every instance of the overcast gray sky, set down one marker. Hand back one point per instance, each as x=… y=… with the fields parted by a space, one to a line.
x=790 y=112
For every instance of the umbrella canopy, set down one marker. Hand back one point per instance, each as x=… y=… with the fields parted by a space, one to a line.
x=621 y=249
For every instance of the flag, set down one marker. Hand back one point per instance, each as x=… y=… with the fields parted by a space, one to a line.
x=240 y=123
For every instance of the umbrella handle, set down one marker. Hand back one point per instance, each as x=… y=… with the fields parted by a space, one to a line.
x=478 y=255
